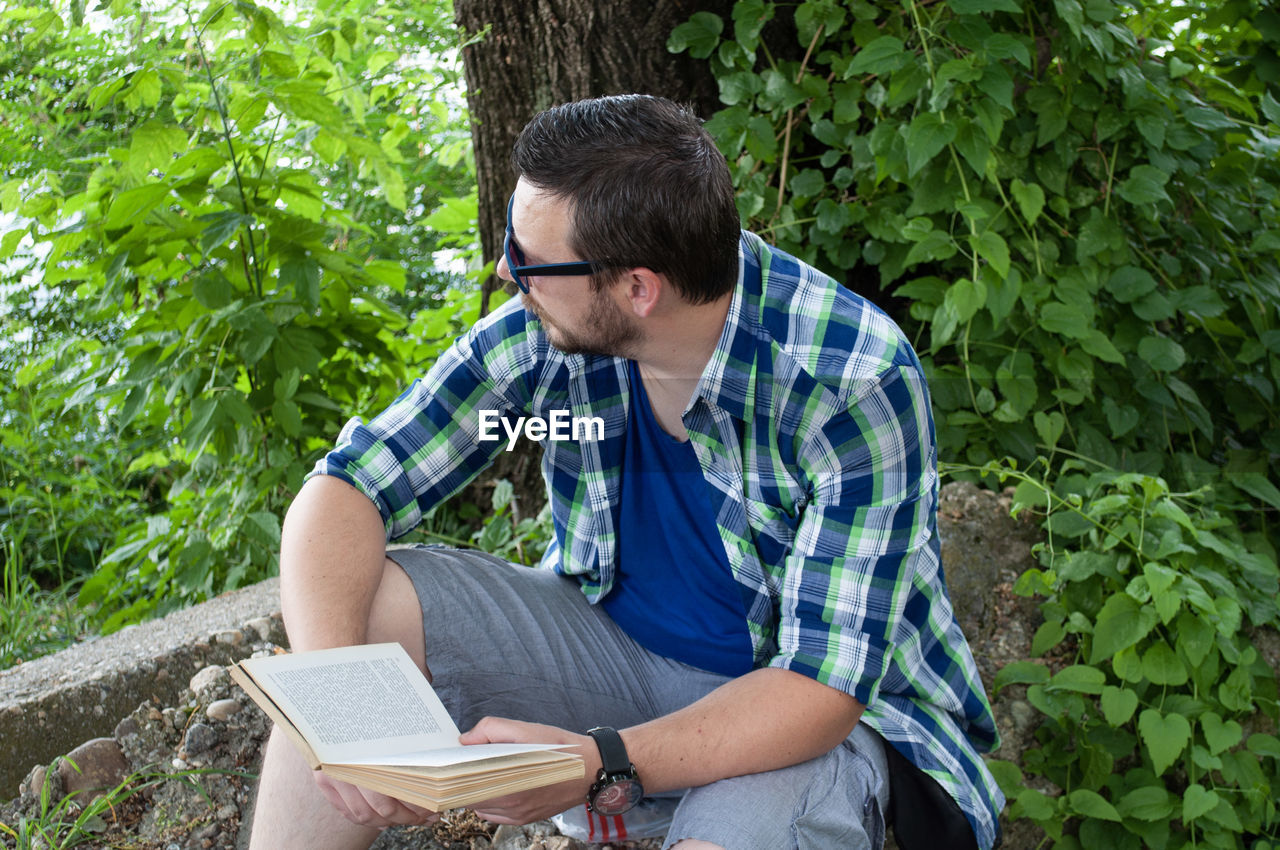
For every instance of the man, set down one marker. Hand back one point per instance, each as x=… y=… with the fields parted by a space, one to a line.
x=744 y=578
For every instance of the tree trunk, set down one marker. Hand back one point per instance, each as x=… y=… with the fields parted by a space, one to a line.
x=538 y=53
x=535 y=54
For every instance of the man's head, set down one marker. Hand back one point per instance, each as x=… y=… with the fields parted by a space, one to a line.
x=646 y=185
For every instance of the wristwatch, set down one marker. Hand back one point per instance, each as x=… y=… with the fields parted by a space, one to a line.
x=617 y=787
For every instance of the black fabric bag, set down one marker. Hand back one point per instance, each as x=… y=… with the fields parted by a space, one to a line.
x=923 y=815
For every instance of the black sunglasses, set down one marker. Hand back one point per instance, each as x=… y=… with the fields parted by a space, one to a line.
x=515 y=260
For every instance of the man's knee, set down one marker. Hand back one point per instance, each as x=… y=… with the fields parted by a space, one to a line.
x=396 y=615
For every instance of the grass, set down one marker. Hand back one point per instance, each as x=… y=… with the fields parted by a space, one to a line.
x=34 y=621
x=65 y=823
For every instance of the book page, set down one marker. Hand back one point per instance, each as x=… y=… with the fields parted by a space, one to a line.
x=357 y=702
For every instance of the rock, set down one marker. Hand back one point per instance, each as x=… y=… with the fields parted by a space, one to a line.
x=102 y=766
x=199 y=738
x=263 y=627
x=221 y=710
x=211 y=679
x=126 y=727
x=231 y=637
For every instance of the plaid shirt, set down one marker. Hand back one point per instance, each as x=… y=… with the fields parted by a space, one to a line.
x=811 y=423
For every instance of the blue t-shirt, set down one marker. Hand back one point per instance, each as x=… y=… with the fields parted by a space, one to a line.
x=674 y=592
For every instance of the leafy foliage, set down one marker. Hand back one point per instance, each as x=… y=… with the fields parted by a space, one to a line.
x=1152 y=598
x=223 y=201
x=1073 y=208
x=1078 y=212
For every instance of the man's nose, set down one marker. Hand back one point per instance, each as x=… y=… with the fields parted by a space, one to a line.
x=501 y=270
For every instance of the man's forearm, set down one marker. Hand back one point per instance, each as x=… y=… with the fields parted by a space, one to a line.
x=765 y=720
x=331 y=554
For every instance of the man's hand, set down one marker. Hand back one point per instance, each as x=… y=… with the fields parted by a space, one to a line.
x=538 y=803
x=369 y=808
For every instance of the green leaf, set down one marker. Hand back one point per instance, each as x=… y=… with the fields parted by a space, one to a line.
x=1264 y=745
x=1091 y=804
x=288 y=416
x=936 y=245
x=881 y=56
x=1030 y=198
x=1078 y=678
x=154 y=144
x=1036 y=805
x=264 y=527
x=1064 y=320
x=1099 y=233
x=133 y=204
x=807 y=183
x=1197 y=801
x=1070 y=12
x=964 y=298
x=307 y=100
x=1144 y=186
x=973 y=144
x=1048 y=635
x=926 y=138
x=1121 y=623
x=1271 y=108
x=1162 y=667
x=992 y=247
x=1020 y=672
x=700 y=35
x=219 y=226
x=1100 y=346
x=213 y=290
x=1257 y=485
x=1118 y=705
x=1161 y=353
x=1147 y=803
x=1005 y=46
x=1220 y=734
x=1207 y=119
x=1164 y=736
x=1049 y=426
x=301 y=273
x=1129 y=283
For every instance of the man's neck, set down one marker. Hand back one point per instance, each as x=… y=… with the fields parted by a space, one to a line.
x=674 y=354
x=679 y=343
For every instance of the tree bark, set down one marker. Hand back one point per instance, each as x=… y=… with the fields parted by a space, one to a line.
x=535 y=54
x=538 y=53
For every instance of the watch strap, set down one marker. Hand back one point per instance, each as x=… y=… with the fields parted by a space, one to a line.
x=613 y=753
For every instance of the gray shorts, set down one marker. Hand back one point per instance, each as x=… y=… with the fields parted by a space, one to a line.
x=515 y=642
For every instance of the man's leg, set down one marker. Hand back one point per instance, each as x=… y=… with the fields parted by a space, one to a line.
x=835 y=800
x=290 y=810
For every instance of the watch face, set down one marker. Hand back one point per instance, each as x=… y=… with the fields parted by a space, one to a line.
x=617 y=797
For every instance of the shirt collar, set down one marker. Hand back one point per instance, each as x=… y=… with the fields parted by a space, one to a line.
x=727 y=380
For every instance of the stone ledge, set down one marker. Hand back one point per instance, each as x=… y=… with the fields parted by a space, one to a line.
x=50 y=705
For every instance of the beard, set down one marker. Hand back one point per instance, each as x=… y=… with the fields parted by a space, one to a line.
x=607 y=332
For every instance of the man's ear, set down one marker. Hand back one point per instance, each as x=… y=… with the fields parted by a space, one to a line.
x=642 y=287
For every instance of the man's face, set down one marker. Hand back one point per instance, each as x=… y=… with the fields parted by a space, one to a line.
x=577 y=319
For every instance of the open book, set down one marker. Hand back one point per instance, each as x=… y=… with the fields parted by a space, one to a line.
x=367 y=716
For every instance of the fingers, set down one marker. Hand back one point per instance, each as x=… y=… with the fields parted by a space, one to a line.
x=369 y=808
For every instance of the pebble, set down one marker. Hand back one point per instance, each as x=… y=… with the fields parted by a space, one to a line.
x=210 y=677
x=199 y=737
x=232 y=637
x=222 y=710
x=261 y=625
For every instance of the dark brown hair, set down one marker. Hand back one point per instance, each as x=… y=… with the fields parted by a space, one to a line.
x=647 y=186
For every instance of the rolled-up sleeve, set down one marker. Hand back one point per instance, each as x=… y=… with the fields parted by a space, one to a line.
x=426 y=445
